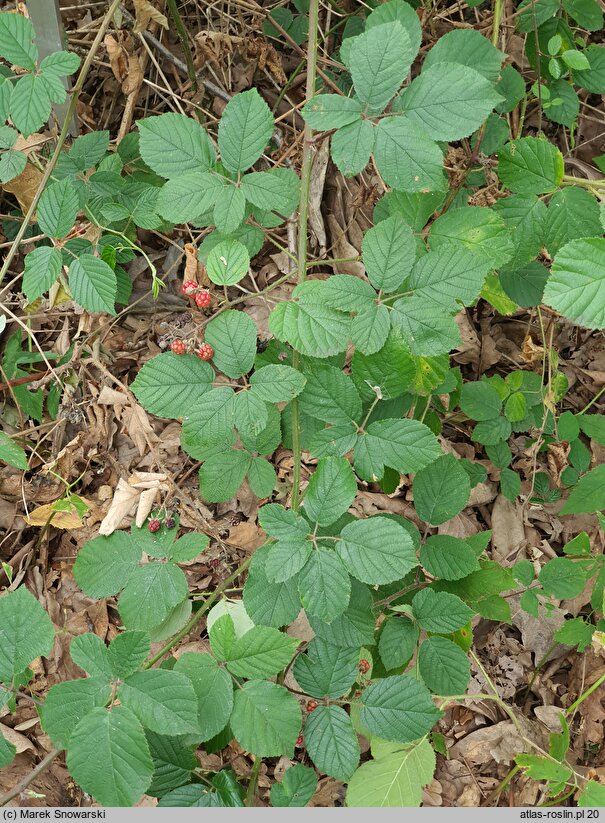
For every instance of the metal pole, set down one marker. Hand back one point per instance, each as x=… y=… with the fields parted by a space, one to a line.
x=46 y=18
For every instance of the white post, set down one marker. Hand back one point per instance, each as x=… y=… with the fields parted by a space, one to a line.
x=46 y=18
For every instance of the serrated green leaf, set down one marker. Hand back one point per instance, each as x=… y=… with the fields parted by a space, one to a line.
x=174 y=144
x=467 y=47
x=575 y=632
x=331 y=490
x=530 y=165
x=26 y=632
x=479 y=400
x=116 y=739
x=232 y=335
x=324 y=584
x=213 y=688
x=58 y=208
x=330 y=395
x=16 y=40
x=229 y=208
x=7 y=752
x=397 y=642
x=149 y=595
x=379 y=61
x=188 y=547
x=93 y=284
x=441 y=490
x=448 y=557
x=222 y=474
x=105 y=564
x=313 y=329
x=127 y=651
x=61 y=63
x=388 y=373
x=12 y=453
x=370 y=329
x=576 y=286
x=228 y=262
x=593 y=794
x=272 y=192
x=244 y=130
x=266 y=719
x=404 y=445
x=286 y=558
x=277 y=384
x=563 y=578
x=30 y=104
x=388 y=253
x=399 y=709
x=448 y=275
x=163 y=701
x=296 y=788
x=89 y=652
x=172 y=764
x=448 y=101
x=479 y=230
x=210 y=421
x=326 y=670
x=525 y=285
x=331 y=111
x=12 y=163
x=270 y=604
x=250 y=413
x=572 y=213
x=376 y=550
x=186 y=196
x=332 y=742
x=444 y=667
x=440 y=611
x=351 y=147
x=543 y=768
x=66 y=704
x=396 y=778
x=168 y=384
x=427 y=329
x=348 y=293
x=407 y=158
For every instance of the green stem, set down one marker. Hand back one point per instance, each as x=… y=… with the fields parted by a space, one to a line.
x=598 y=395
x=253 y=781
x=195 y=618
x=586 y=694
x=581 y=181
x=77 y=90
x=496 y=22
x=303 y=221
x=184 y=40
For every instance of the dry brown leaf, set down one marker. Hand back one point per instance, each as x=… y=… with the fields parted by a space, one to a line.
x=507 y=525
x=501 y=743
x=25 y=186
x=19 y=741
x=138 y=494
x=145 y=12
x=61 y=520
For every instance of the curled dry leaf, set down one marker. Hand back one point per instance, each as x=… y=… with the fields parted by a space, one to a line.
x=145 y=12
x=137 y=495
x=19 y=741
x=60 y=520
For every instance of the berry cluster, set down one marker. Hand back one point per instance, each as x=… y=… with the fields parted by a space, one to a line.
x=202 y=297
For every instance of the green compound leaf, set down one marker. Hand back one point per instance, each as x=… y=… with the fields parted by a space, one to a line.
x=312 y=328
x=530 y=165
x=26 y=632
x=379 y=61
x=104 y=564
x=266 y=719
x=326 y=670
x=331 y=396
x=151 y=592
x=331 y=111
x=331 y=490
x=376 y=550
x=163 y=701
x=480 y=401
x=228 y=262
x=12 y=453
x=42 y=267
x=16 y=40
x=244 y=130
x=399 y=709
x=169 y=384
x=467 y=47
x=448 y=101
x=277 y=384
x=58 y=208
x=395 y=778
x=93 y=284
x=448 y=557
x=116 y=739
x=407 y=158
x=68 y=703
x=187 y=195
x=173 y=144
x=213 y=688
x=324 y=585
x=127 y=651
x=404 y=445
x=352 y=146
x=441 y=490
x=297 y=787
x=388 y=253
x=331 y=742
x=440 y=612
x=397 y=644
x=232 y=335
x=576 y=286
x=444 y=667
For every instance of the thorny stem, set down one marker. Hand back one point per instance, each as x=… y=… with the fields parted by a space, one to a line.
x=253 y=781
x=303 y=220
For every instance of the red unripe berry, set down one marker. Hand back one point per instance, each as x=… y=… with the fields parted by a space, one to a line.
x=311 y=705
x=189 y=287
x=205 y=352
x=203 y=299
x=300 y=740
x=178 y=347
x=364 y=666
x=154 y=525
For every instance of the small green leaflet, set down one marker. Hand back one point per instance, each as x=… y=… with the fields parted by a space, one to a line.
x=244 y=130
x=331 y=111
x=440 y=612
x=530 y=165
x=331 y=490
x=232 y=335
x=173 y=144
x=332 y=742
x=213 y=688
x=16 y=40
x=296 y=788
x=58 y=207
x=441 y=490
x=67 y=703
x=228 y=262
x=399 y=709
x=395 y=777
x=12 y=453
x=168 y=384
x=26 y=632
x=376 y=550
x=588 y=495
x=388 y=253
x=379 y=61
x=266 y=719
x=444 y=667
x=93 y=284
x=576 y=286
x=163 y=701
